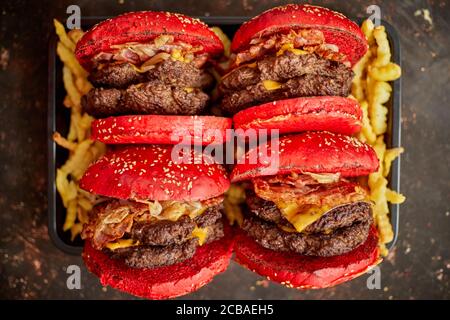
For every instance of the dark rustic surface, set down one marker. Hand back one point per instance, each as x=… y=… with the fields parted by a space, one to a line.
x=31 y=267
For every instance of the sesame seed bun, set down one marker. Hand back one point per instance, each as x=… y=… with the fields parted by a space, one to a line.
x=337 y=29
x=149 y=173
x=159 y=129
x=334 y=114
x=144 y=26
x=315 y=152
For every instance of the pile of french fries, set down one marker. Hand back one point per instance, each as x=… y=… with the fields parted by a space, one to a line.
x=372 y=89
x=82 y=150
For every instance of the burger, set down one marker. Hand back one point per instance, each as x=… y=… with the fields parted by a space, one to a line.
x=290 y=52
x=145 y=66
x=308 y=221
x=157 y=230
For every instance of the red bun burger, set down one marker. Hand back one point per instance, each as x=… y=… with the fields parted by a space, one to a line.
x=334 y=114
x=308 y=224
x=289 y=52
x=148 y=63
x=157 y=231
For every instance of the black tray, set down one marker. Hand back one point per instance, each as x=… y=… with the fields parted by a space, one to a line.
x=58 y=120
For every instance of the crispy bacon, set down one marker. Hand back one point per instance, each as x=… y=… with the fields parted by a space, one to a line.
x=305 y=190
x=309 y=40
x=138 y=53
x=110 y=221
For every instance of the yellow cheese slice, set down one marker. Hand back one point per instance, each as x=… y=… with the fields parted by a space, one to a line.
x=290 y=47
x=271 y=85
x=298 y=216
x=201 y=234
x=122 y=243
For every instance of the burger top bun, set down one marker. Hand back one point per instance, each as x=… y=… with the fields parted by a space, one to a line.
x=144 y=26
x=337 y=28
x=150 y=173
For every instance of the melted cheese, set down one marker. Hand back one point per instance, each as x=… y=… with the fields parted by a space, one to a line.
x=290 y=47
x=122 y=243
x=201 y=234
x=188 y=89
x=298 y=216
x=271 y=85
x=176 y=55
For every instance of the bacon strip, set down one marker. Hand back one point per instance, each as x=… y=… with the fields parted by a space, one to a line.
x=304 y=190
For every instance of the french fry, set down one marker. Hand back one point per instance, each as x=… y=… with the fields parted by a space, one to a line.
x=367 y=129
x=367 y=28
x=77 y=157
x=383 y=49
x=394 y=197
x=61 y=32
x=71 y=215
x=82 y=215
x=75 y=230
x=389 y=72
x=63 y=142
x=66 y=188
x=389 y=156
x=75 y=35
x=69 y=60
x=74 y=95
x=225 y=40
x=358 y=84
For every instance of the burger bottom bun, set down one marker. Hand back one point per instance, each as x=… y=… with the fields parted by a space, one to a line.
x=303 y=272
x=163 y=282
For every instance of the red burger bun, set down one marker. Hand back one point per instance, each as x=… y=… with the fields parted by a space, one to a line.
x=337 y=28
x=303 y=272
x=147 y=172
x=334 y=114
x=144 y=26
x=162 y=282
x=314 y=152
x=160 y=129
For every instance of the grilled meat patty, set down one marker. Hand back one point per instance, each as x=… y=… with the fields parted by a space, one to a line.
x=299 y=75
x=165 y=233
x=153 y=97
x=338 y=242
x=339 y=217
x=147 y=256
x=170 y=72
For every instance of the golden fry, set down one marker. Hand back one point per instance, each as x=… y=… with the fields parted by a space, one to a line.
x=71 y=215
x=72 y=91
x=61 y=32
x=389 y=72
x=225 y=40
x=394 y=197
x=75 y=35
x=383 y=48
x=367 y=129
x=63 y=142
x=367 y=28
x=390 y=156
x=75 y=230
x=69 y=60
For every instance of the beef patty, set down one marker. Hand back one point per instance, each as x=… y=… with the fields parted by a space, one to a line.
x=299 y=75
x=170 y=72
x=148 y=256
x=169 y=242
x=166 y=233
x=339 y=217
x=315 y=244
x=153 y=97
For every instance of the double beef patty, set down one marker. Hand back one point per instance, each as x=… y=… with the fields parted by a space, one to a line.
x=167 y=242
x=299 y=75
x=337 y=232
x=171 y=87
